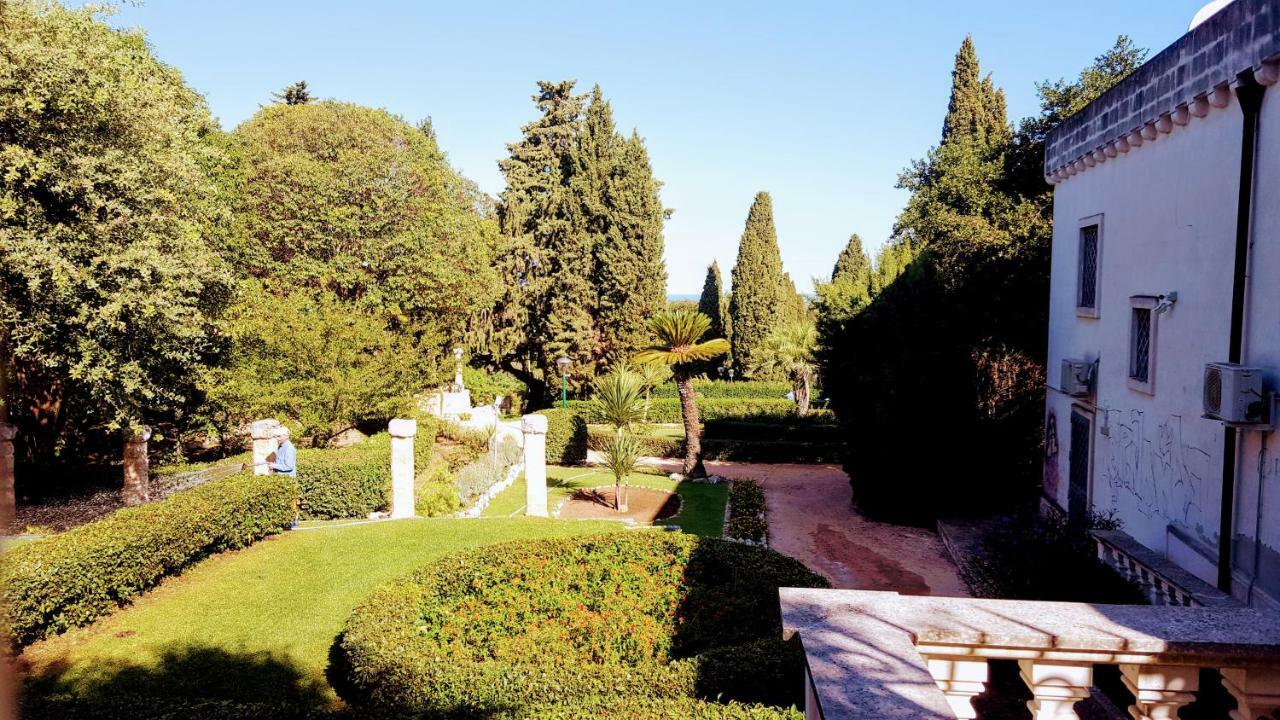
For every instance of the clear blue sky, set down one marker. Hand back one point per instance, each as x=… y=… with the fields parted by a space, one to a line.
x=819 y=103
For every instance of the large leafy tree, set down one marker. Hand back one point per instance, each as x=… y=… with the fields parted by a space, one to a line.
x=755 y=305
x=356 y=202
x=681 y=346
x=109 y=286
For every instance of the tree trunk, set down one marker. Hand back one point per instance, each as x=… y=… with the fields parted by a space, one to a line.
x=801 y=387
x=693 y=466
x=619 y=499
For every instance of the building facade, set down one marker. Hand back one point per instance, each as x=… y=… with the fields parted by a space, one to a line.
x=1166 y=258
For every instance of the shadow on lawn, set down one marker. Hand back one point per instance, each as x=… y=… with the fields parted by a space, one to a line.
x=190 y=681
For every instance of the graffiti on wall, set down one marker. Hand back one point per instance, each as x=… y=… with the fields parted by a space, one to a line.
x=1155 y=469
x=1050 y=472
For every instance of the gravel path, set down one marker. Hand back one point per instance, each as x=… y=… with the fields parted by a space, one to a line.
x=812 y=519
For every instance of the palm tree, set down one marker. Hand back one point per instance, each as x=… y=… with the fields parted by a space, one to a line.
x=620 y=401
x=679 y=346
x=789 y=351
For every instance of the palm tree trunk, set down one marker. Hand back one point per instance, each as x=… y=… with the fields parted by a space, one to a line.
x=802 y=395
x=620 y=497
x=693 y=466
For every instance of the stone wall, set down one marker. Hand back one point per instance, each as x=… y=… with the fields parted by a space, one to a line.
x=1242 y=36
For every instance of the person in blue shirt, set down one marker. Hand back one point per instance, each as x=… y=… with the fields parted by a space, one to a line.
x=285 y=459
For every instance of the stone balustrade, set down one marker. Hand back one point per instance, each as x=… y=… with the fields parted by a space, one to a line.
x=884 y=655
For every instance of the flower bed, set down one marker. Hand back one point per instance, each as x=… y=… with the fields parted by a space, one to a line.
x=516 y=626
x=745 y=516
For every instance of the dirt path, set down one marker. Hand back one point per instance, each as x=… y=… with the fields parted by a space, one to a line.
x=812 y=520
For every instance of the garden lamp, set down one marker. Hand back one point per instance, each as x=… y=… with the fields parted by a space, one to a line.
x=563 y=363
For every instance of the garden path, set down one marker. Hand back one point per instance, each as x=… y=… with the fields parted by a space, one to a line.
x=812 y=519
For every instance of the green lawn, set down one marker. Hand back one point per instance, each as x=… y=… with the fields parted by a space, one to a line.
x=258 y=624
x=701 y=509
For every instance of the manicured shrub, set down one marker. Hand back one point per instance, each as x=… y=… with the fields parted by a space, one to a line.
x=652 y=708
x=74 y=578
x=729 y=389
x=649 y=445
x=566 y=436
x=667 y=410
x=435 y=493
x=807 y=429
x=486 y=385
x=746 y=512
x=515 y=626
x=764 y=451
x=348 y=482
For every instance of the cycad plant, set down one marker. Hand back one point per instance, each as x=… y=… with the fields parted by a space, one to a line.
x=680 y=345
x=620 y=402
x=790 y=351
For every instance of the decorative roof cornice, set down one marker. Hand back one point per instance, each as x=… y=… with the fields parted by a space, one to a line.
x=1185 y=81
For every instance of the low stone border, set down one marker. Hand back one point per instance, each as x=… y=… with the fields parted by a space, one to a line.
x=494 y=490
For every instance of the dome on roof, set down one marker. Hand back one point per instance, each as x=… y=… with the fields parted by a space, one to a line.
x=1207 y=12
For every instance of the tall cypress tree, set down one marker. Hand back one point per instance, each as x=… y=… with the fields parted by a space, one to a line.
x=757 y=281
x=977 y=106
x=712 y=302
x=545 y=311
x=852 y=264
x=792 y=306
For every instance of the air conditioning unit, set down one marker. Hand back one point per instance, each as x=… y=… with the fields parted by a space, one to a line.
x=1233 y=394
x=1077 y=377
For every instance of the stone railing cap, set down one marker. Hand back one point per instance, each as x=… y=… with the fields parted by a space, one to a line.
x=402 y=427
x=534 y=424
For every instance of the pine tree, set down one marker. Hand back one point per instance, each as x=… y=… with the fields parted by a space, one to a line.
x=545 y=311
x=853 y=264
x=712 y=303
x=977 y=106
x=757 y=279
x=295 y=94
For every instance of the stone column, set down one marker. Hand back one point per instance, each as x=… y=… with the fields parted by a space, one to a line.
x=264 y=443
x=402 y=474
x=534 y=428
x=961 y=680
x=8 y=502
x=137 y=469
x=1055 y=687
x=1256 y=691
x=1160 y=690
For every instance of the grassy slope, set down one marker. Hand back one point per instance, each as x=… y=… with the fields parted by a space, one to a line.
x=258 y=624
x=701 y=512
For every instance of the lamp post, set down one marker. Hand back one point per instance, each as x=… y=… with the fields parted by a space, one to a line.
x=563 y=363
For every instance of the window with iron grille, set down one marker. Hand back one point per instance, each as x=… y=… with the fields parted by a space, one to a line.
x=1142 y=343
x=1087 y=292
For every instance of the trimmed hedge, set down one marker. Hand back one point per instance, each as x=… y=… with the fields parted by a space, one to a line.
x=354 y=481
x=667 y=410
x=728 y=389
x=764 y=451
x=598 y=439
x=74 y=578
x=652 y=708
x=795 y=429
x=567 y=436
x=515 y=626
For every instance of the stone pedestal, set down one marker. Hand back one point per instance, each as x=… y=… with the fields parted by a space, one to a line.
x=1055 y=687
x=402 y=471
x=534 y=429
x=1256 y=691
x=137 y=468
x=264 y=443
x=8 y=503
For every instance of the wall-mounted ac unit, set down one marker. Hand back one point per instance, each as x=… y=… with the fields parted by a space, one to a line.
x=1077 y=377
x=1233 y=394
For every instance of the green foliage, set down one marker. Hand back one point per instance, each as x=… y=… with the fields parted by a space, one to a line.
x=714 y=302
x=853 y=264
x=582 y=222
x=610 y=707
x=810 y=428
x=771 y=451
x=357 y=202
x=485 y=385
x=638 y=614
x=668 y=410
x=109 y=287
x=317 y=361
x=619 y=399
x=72 y=579
x=958 y=316
x=435 y=493
x=354 y=481
x=295 y=94
x=566 y=435
x=487 y=470
x=767 y=389
x=622 y=451
x=755 y=305
x=680 y=340
x=599 y=439
x=790 y=351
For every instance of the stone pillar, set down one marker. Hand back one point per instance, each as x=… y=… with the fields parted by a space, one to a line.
x=961 y=680
x=264 y=443
x=1055 y=687
x=1160 y=690
x=402 y=473
x=1256 y=691
x=8 y=502
x=137 y=469
x=534 y=428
